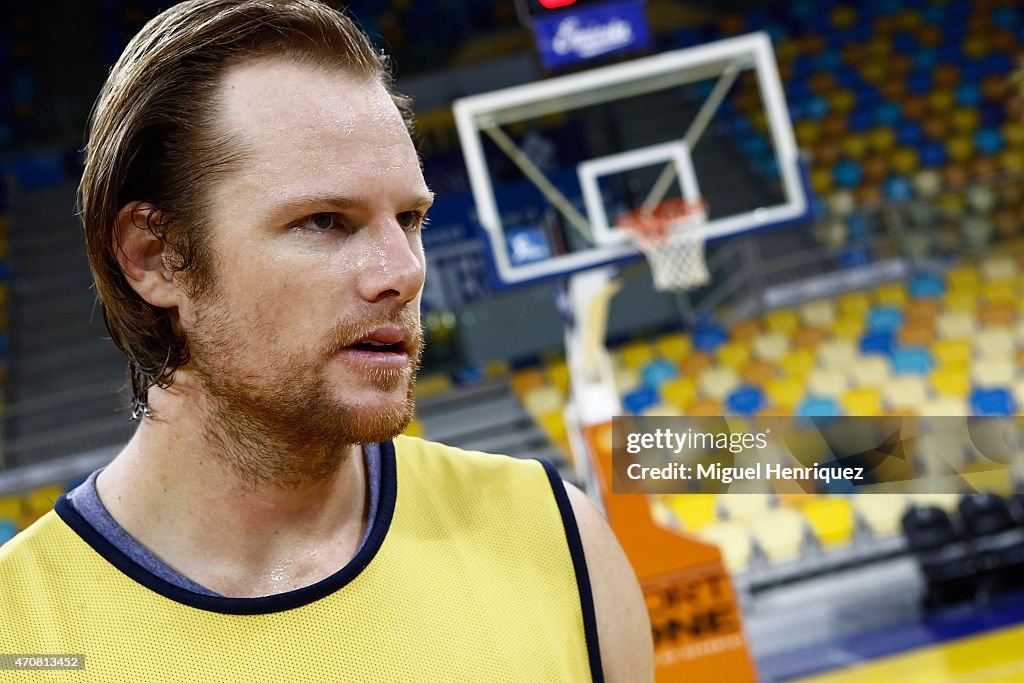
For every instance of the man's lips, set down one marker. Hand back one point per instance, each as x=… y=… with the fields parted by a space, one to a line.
x=388 y=346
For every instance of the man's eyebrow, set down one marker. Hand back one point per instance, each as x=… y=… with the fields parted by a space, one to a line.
x=419 y=201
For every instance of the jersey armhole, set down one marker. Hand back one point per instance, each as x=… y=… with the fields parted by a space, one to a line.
x=579 y=562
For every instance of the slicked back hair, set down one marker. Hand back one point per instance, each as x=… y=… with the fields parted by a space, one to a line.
x=152 y=138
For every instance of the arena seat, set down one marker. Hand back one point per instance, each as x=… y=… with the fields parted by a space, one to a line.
x=733 y=539
x=881 y=513
x=694 y=511
x=779 y=532
x=831 y=520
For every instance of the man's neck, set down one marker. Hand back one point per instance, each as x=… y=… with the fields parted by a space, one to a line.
x=233 y=534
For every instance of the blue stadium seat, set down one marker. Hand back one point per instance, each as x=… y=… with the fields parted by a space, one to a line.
x=995 y=402
x=912 y=360
x=927 y=286
x=745 y=400
x=639 y=400
x=815 y=406
x=657 y=372
x=877 y=342
x=884 y=319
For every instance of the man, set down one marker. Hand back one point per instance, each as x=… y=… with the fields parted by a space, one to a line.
x=252 y=203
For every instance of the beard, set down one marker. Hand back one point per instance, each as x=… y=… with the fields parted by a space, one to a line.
x=286 y=426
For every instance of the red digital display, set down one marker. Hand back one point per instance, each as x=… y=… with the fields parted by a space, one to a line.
x=555 y=4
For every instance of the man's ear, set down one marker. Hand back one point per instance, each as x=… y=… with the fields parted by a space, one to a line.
x=143 y=256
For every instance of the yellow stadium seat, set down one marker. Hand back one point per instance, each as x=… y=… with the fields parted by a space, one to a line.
x=734 y=354
x=854 y=303
x=962 y=276
x=783 y=321
x=951 y=352
x=771 y=346
x=1001 y=291
x=831 y=519
x=994 y=372
x=862 y=401
x=950 y=405
x=674 y=346
x=559 y=375
x=636 y=354
x=733 y=539
x=906 y=391
x=947 y=501
x=718 y=382
x=822 y=382
x=540 y=400
x=951 y=382
x=882 y=512
x=993 y=341
x=848 y=327
x=694 y=511
x=680 y=391
x=798 y=363
x=999 y=268
x=626 y=379
x=869 y=371
x=11 y=508
x=662 y=410
x=744 y=506
x=779 y=533
x=786 y=392
x=960 y=301
x=818 y=313
x=958 y=324
x=837 y=353
x=553 y=424
x=893 y=294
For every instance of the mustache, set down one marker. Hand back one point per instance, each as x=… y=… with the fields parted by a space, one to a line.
x=348 y=332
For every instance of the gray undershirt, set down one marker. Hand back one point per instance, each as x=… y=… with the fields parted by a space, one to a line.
x=86 y=502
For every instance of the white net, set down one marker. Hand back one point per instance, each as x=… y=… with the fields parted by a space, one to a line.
x=674 y=248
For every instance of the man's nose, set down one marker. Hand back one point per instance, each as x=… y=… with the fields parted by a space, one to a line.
x=394 y=264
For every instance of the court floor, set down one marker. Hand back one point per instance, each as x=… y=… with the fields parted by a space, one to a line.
x=993 y=657
x=962 y=644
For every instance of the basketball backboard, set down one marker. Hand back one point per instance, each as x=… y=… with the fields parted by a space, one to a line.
x=554 y=164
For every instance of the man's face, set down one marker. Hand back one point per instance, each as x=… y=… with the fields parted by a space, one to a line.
x=311 y=331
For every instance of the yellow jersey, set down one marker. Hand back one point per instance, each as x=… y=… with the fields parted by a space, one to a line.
x=473 y=571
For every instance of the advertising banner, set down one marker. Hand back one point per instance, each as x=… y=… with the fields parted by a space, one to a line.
x=591 y=32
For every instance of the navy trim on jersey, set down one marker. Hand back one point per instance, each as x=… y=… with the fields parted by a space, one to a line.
x=579 y=563
x=261 y=605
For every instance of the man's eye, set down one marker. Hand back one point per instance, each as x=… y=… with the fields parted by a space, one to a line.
x=411 y=220
x=321 y=222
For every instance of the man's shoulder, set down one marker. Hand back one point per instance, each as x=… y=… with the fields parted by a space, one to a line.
x=414 y=444
x=483 y=476
x=32 y=540
x=433 y=454
x=34 y=560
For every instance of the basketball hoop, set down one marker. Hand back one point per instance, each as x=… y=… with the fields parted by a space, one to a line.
x=667 y=234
